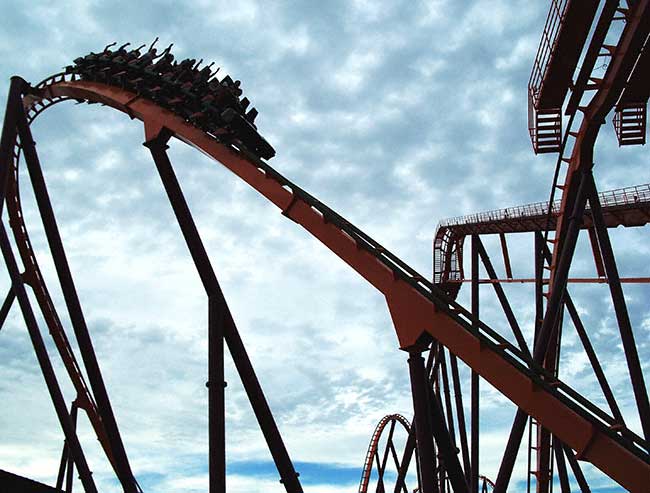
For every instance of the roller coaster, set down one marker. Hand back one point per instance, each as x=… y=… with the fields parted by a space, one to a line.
x=441 y=453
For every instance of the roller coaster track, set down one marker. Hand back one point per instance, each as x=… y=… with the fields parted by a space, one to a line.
x=425 y=316
x=373 y=449
x=628 y=207
x=419 y=309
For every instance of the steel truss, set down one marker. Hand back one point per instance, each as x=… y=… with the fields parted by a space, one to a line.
x=568 y=427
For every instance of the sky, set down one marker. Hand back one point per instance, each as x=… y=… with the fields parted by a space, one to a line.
x=396 y=115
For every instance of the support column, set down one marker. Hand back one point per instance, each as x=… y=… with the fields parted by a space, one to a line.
x=288 y=476
x=620 y=308
x=6 y=306
x=474 y=417
x=503 y=299
x=67 y=462
x=216 y=396
x=45 y=364
x=123 y=469
x=561 y=273
x=409 y=448
x=423 y=431
x=460 y=412
x=547 y=329
x=446 y=446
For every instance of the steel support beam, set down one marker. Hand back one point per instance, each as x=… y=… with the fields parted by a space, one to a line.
x=549 y=326
x=288 y=476
x=409 y=448
x=446 y=447
x=620 y=308
x=422 y=422
x=475 y=393
x=510 y=454
x=45 y=364
x=503 y=299
x=216 y=395
x=460 y=412
x=577 y=470
x=448 y=411
x=122 y=466
x=6 y=306
x=561 y=466
x=506 y=255
x=593 y=359
x=66 y=466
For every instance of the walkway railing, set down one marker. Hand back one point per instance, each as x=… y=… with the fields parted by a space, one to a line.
x=611 y=198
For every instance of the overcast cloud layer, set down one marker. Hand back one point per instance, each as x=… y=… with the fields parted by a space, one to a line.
x=396 y=114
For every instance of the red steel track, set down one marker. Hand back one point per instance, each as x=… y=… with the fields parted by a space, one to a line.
x=629 y=207
x=420 y=311
x=373 y=447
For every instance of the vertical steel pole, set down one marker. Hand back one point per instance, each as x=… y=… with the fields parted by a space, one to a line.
x=45 y=364
x=539 y=284
x=474 y=417
x=423 y=431
x=74 y=306
x=288 y=475
x=216 y=396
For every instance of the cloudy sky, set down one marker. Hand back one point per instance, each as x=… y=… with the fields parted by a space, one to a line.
x=397 y=115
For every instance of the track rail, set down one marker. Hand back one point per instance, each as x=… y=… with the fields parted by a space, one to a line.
x=419 y=309
x=629 y=207
x=33 y=277
x=374 y=444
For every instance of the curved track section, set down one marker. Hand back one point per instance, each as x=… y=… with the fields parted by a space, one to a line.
x=373 y=448
x=33 y=277
x=419 y=309
x=629 y=207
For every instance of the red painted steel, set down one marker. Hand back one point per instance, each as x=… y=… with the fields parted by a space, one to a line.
x=374 y=444
x=629 y=207
x=563 y=38
x=414 y=313
x=33 y=277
